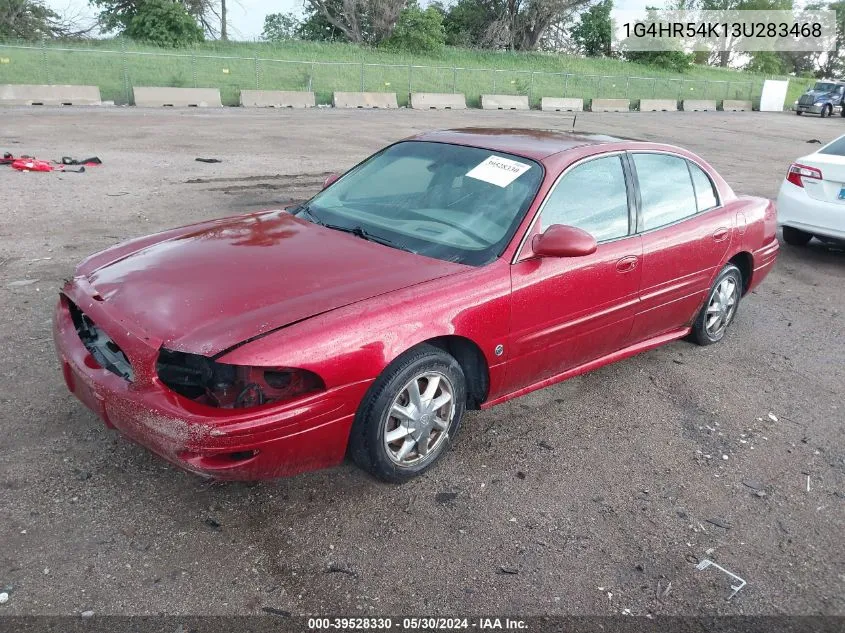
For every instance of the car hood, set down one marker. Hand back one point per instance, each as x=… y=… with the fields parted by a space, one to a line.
x=208 y=287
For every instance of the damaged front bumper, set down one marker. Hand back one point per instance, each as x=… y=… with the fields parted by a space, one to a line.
x=274 y=440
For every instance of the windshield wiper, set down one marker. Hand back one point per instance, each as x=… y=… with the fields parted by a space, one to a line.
x=357 y=231
x=306 y=208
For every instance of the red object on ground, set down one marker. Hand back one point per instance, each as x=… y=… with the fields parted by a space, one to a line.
x=32 y=164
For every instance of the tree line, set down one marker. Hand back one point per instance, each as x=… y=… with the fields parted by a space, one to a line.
x=577 y=27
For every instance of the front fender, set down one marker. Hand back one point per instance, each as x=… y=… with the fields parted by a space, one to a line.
x=356 y=342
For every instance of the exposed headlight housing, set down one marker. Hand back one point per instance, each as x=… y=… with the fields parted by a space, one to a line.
x=214 y=384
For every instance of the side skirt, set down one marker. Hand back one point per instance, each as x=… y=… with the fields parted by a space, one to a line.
x=626 y=352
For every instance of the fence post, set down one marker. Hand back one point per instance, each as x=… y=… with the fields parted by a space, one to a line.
x=531 y=90
x=194 y=67
x=565 y=84
x=311 y=79
x=257 y=79
x=125 y=72
x=46 y=68
x=494 y=82
x=409 y=83
x=454 y=79
x=627 y=82
x=362 y=76
x=654 y=87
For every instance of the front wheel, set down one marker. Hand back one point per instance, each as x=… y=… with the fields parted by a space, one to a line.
x=719 y=310
x=799 y=113
x=410 y=415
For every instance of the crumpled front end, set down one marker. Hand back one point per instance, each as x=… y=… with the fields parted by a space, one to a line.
x=116 y=369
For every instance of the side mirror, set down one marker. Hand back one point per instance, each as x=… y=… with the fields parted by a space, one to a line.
x=564 y=241
x=330 y=179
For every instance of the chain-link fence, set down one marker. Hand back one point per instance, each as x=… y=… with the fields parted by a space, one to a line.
x=116 y=71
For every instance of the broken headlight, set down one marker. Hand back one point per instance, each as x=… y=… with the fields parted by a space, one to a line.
x=232 y=386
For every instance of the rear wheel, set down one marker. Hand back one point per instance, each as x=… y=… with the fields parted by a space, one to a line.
x=719 y=310
x=796 y=237
x=410 y=415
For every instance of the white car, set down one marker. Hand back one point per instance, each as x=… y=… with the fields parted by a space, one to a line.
x=811 y=202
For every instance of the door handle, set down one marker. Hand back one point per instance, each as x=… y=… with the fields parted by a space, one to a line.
x=627 y=264
x=720 y=235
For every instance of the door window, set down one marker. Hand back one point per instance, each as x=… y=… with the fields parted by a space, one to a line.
x=593 y=197
x=705 y=192
x=665 y=188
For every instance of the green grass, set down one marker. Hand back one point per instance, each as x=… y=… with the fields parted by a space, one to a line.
x=115 y=66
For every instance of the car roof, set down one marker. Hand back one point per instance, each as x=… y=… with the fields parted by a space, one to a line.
x=531 y=143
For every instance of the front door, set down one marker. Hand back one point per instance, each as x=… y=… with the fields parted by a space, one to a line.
x=569 y=310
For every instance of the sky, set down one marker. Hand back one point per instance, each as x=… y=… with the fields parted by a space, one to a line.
x=246 y=17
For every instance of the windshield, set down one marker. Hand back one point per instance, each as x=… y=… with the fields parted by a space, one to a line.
x=824 y=87
x=455 y=203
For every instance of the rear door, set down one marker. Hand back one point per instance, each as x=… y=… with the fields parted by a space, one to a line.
x=686 y=235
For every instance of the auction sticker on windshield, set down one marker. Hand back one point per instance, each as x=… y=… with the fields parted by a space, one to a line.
x=498 y=171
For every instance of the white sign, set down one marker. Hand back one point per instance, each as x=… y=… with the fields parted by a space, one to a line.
x=774 y=95
x=498 y=171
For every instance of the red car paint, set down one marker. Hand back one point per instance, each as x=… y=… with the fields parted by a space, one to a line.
x=270 y=289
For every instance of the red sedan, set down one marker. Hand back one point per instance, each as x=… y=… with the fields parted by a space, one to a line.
x=454 y=270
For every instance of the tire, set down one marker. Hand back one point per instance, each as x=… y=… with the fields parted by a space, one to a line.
x=421 y=366
x=842 y=111
x=713 y=320
x=796 y=237
x=825 y=111
x=798 y=112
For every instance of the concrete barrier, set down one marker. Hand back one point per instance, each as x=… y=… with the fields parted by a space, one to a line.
x=658 y=105
x=48 y=95
x=698 y=105
x=610 y=105
x=438 y=101
x=554 y=104
x=729 y=105
x=276 y=99
x=504 y=102
x=365 y=100
x=155 y=97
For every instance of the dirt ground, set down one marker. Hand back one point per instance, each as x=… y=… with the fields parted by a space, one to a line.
x=596 y=496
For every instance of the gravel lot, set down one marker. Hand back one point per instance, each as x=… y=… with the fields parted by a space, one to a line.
x=595 y=496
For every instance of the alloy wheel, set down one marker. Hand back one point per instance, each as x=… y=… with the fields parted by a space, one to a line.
x=417 y=423
x=721 y=307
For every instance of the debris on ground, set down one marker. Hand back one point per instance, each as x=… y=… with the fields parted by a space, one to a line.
x=445 y=497
x=337 y=568
x=814 y=141
x=87 y=614
x=26 y=163
x=719 y=522
x=4 y=598
x=274 y=611
x=213 y=523
x=753 y=484
x=508 y=570
x=208 y=160
x=709 y=563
